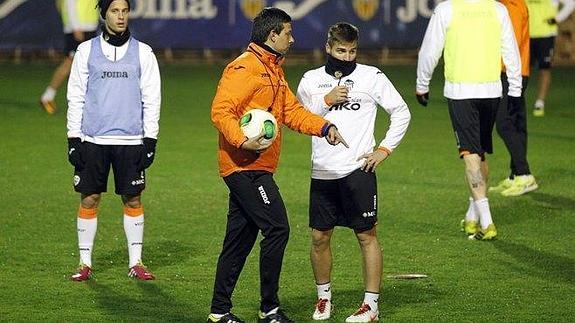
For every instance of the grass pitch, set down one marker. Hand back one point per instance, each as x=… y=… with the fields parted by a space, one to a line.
x=528 y=274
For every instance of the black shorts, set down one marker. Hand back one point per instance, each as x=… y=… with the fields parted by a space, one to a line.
x=472 y=121
x=129 y=179
x=349 y=202
x=541 y=50
x=71 y=44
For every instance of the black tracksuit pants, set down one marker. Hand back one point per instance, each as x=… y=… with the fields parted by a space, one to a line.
x=255 y=204
x=511 y=124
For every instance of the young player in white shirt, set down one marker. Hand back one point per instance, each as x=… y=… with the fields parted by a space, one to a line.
x=343 y=185
x=114 y=99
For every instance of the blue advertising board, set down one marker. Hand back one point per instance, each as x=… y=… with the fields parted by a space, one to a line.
x=226 y=24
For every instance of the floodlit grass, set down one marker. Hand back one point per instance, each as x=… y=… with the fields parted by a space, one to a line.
x=528 y=274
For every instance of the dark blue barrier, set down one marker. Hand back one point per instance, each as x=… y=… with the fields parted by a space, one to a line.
x=223 y=24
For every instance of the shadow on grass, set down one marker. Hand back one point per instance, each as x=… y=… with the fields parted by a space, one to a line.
x=156 y=255
x=539 y=263
x=394 y=295
x=403 y=293
x=555 y=202
x=151 y=304
x=145 y=301
x=517 y=209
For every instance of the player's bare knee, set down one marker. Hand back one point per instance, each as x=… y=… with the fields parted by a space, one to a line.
x=90 y=201
x=473 y=170
x=320 y=239
x=472 y=159
x=132 y=201
x=366 y=238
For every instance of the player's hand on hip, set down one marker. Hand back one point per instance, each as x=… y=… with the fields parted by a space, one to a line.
x=257 y=144
x=76 y=152
x=337 y=95
x=334 y=137
x=422 y=98
x=149 y=153
x=372 y=160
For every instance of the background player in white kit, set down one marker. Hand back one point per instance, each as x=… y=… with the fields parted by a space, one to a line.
x=343 y=186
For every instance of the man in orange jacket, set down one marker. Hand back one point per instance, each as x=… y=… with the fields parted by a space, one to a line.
x=511 y=120
x=256 y=80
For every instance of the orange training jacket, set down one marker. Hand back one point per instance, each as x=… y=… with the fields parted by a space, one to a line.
x=256 y=79
x=520 y=20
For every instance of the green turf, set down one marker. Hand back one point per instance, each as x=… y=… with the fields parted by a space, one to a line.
x=528 y=274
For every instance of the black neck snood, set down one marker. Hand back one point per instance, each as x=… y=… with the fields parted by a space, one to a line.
x=335 y=65
x=115 y=39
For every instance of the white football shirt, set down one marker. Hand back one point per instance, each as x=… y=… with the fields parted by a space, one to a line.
x=369 y=89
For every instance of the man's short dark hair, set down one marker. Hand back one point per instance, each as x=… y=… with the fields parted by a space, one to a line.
x=267 y=20
x=342 y=32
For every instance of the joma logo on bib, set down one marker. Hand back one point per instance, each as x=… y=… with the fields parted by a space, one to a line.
x=114 y=75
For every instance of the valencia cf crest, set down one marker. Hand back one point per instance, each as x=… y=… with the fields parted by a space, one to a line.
x=365 y=9
x=251 y=8
x=349 y=84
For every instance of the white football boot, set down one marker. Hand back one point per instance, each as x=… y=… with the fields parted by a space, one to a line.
x=322 y=309
x=363 y=314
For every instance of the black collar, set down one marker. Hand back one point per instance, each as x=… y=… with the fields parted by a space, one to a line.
x=115 y=39
x=271 y=50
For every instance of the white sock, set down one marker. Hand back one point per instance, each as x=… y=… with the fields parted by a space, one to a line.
x=324 y=291
x=482 y=207
x=134 y=229
x=86 y=234
x=539 y=104
x=49 y=94
x=471 y=215
x=371 y=299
